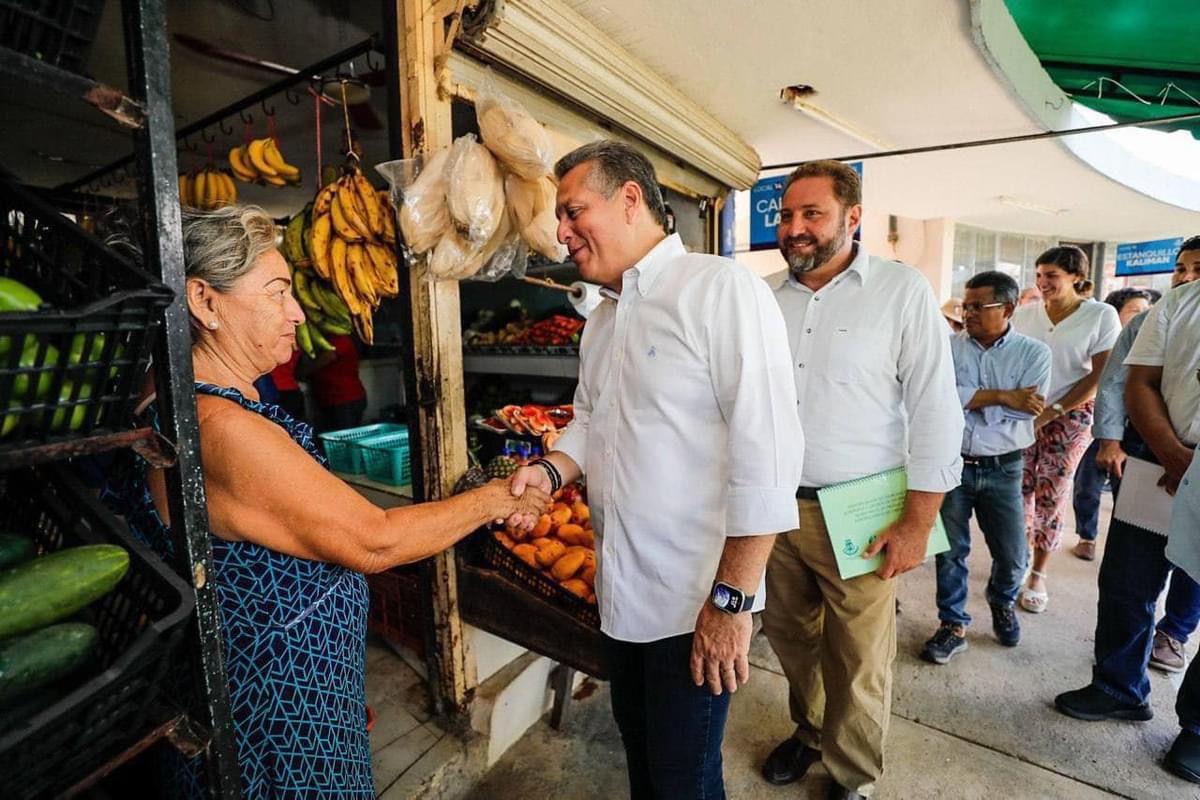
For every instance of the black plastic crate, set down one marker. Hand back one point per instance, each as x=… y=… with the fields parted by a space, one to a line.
x=74 y=367
x=491 y=553
x=141 y=624
x=59 y=32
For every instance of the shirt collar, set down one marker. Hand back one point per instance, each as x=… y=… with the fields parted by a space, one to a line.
x=647 y=270
x=860 y=265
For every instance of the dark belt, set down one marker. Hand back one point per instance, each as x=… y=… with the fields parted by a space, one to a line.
x=807 y=493
x=993 y=461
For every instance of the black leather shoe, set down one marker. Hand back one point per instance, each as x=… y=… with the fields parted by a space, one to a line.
x=1092 y=704
x=1183 y=759
x=788 y=762
x=839 y=792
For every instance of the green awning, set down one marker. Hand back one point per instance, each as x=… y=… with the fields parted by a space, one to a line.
x=1145 y=45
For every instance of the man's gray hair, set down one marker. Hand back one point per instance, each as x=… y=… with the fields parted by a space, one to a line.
x=615 y=164
x=222 y=245
x=1004 y=288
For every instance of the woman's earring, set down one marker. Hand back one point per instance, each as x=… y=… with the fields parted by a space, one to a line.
x=212 y=324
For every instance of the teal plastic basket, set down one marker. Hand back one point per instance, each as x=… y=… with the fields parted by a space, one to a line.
x=344 y=448
x=386 y=459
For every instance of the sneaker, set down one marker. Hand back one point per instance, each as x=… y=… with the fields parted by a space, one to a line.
x=1006 y=626
x=1167 y=653
x=1092 y=703
x=949 y=641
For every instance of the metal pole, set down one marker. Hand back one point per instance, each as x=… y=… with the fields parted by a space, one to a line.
x=1026 y=137
x=149 y=68
x=249 y=101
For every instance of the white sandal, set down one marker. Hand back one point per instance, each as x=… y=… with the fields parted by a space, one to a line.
x=1031 y=601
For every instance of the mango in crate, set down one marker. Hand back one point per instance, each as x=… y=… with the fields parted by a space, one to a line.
x=550 y=553
x=577 y=587
x=560 y=514
x=527 y=553
x=568 y=563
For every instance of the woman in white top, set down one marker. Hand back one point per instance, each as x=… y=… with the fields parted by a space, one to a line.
x=1080 y=332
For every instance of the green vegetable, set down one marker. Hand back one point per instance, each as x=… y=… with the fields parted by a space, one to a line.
x=78 y=413
x=75 y=349
x=16 y=296
x=55 y=586
x=44 y=656
x=21 y=383
x=15 y=549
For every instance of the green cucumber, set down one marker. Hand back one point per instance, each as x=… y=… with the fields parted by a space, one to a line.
x=47 y=589
x=15 y=549
x=16 y=296
x=44 y=656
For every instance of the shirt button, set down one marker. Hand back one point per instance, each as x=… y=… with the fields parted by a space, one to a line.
x=816 y=299
x=808 y=330
x=801 y=366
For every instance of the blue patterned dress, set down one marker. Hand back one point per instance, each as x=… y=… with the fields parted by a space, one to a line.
x=295 y=648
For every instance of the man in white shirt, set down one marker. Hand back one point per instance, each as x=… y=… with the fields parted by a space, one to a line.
x=686 y=427
x=875 y=382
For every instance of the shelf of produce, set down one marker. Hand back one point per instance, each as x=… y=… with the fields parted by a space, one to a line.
x=501 y=606
x=544 y=366
x=143 y=440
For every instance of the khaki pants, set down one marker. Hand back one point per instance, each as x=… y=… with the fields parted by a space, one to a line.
x=836 y=640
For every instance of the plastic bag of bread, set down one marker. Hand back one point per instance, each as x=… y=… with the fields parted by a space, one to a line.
x=474 y=190
x=418 y=190
x=541 y=232
x=524 y=199
x=514 y=137
x=505 y=253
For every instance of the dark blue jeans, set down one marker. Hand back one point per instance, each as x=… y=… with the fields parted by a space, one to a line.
x=1133 y=572
x=993 y=493
x=1089 y=481
x=671 y=728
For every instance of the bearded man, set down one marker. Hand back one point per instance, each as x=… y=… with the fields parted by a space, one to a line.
x=876 y=390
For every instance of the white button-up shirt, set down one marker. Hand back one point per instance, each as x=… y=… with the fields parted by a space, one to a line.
x=1170 y=338
x=874 y=376
x=686 y=427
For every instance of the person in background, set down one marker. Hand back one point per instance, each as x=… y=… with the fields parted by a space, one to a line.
x=337 y=389
x=875 y=380
x=1090 y=479
x=1080 y=332
x=1029 y=296
x=291 y=399
x=952 y=310
x=1002 y=380
x=686 y=426
x=1162 y=396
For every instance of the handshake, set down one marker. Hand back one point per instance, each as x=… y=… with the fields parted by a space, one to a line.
x=522 y=498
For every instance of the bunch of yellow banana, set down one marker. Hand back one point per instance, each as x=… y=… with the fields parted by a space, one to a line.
x=207 y=188
x=351 y=244
x=261 y=162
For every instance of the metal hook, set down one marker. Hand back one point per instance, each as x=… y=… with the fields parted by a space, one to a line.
x=292 y=96
x=221 y=127
x=269 y=112
x=371 y=64
x=247 y=117
x=187 y=144
x=206 y=137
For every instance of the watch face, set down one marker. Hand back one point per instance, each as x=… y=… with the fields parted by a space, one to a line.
x=721 y=596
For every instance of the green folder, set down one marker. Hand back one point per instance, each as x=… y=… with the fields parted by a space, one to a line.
x=857 y=511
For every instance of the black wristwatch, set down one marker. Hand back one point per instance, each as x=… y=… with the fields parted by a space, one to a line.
x=730 y=599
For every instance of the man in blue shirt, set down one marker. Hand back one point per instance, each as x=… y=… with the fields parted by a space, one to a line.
x=1002 y=379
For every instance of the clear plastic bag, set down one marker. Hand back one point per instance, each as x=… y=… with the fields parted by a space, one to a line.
x=418 y=191
x=474 y=191
x=517 y=139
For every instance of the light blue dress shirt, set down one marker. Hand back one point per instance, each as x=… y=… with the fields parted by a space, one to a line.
x=1108 y=421
x=1014 y=361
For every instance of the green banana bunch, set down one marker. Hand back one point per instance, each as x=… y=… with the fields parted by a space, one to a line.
x=16 y=296
x=304 y=339
x=318 y=339
x=293 y=239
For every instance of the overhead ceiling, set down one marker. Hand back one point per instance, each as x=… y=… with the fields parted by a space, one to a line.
x=1131 y=60
x=902 y=74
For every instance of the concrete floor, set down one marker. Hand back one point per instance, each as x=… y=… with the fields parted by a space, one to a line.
x=982 y=726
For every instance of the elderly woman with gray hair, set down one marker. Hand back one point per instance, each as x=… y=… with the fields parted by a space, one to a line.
x=290 y=541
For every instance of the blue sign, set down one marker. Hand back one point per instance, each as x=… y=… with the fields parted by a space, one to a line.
x=765 y=198
x=726 y=224
x=1147 y=258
